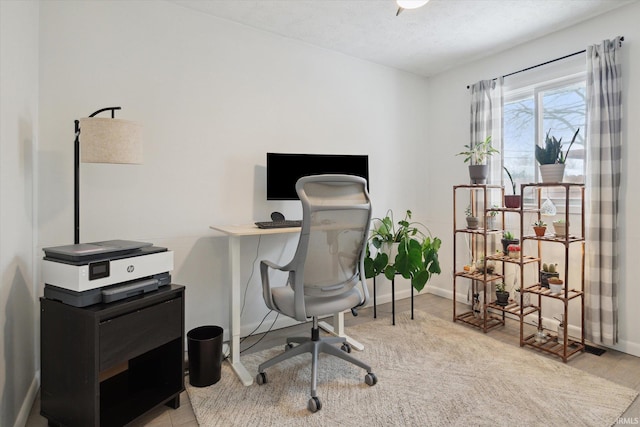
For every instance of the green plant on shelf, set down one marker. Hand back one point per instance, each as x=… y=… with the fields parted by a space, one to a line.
x=552 y=151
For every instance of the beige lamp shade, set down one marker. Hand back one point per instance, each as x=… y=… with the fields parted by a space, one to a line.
x=105 y=140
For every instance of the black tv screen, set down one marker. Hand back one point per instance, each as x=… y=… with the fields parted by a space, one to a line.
x=284 y=170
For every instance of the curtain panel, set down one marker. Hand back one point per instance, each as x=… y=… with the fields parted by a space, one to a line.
x=486 y=119
x=604 y=120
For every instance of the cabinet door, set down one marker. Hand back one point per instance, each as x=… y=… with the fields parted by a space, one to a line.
x=69 y=385
x=130 y=335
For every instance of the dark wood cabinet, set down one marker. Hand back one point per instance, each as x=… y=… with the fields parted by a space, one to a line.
x=107 y=364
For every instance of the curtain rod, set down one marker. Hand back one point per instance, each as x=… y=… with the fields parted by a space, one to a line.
x=545 y=63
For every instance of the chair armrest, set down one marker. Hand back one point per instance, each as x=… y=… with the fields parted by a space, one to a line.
x=266 y=284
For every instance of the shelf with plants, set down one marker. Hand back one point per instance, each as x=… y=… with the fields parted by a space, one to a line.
x=551 y=285
x=482 y=270
x=492 y=313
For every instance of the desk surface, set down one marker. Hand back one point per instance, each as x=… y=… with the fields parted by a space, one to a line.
x=252 y=230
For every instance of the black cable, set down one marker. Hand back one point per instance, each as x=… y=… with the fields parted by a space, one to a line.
x=263 y=335
x=253 y=269
x=226 y=356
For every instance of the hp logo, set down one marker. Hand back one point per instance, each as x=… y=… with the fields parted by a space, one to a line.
x=130 y=269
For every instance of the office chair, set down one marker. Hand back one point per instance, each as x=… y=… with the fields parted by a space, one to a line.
x=324 y=273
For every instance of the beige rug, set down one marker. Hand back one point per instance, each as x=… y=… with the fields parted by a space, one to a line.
x=430 y=372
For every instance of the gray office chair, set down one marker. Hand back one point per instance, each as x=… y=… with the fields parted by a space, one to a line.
x=325 y=270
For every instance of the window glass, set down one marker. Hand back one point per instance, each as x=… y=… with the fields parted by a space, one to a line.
x=564 y=111
x=557 y=107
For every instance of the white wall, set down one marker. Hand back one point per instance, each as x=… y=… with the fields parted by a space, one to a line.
x=448 y=131
x=213 y=97
x=18 y=143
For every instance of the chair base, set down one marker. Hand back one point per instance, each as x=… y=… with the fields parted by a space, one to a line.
x=315 y=345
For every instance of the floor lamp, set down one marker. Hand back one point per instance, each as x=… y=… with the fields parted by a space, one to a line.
x=104 y=140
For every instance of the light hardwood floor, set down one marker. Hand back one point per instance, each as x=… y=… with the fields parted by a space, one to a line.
x=618 y=367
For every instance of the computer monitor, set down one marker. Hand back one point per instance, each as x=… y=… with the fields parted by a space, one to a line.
x=284 y=170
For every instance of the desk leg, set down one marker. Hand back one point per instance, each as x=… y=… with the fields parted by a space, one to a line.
x=338 y=319
x=234 y=318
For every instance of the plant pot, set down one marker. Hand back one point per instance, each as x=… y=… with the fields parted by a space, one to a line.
x=391 y=249
x=491 y=223
x=552 y=173
x=506 y=243
x=512 y=201
x=472 y=222
x=560 y=228
x=544 y=277
x=478 y=173
x=482 y=264
x=555 y=288
x=502 y=298
x=539 y=231
x=514 y=254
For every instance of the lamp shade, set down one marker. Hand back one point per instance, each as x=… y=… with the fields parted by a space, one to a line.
x=106 y=140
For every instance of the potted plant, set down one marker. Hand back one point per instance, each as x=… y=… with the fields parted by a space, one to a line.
x=508 y=239
x=548 y=271
x=514 y=251
x=476 y=156
x=560 y=228
x=482 y=265
x=417 y=250
x=502 y=296
x=551 y=159
x=539 y=227
x=491 y=219
x=472 y=220
x=511 y=200
x=555 y=285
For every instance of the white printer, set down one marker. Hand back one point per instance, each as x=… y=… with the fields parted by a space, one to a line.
x=100 y=272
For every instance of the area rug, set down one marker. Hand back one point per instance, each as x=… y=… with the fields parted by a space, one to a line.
x=431 y=372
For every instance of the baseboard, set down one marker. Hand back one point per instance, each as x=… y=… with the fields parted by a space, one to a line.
x=27 y=404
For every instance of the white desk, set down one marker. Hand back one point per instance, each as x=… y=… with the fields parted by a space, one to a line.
x=235 y=232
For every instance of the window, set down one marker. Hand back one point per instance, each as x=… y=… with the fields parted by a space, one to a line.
x=558 y=107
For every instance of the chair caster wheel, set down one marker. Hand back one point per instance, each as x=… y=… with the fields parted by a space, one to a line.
x=288 y=346
x=370 y=379
x=314 y=404
x=346 y=347
x=261 y=378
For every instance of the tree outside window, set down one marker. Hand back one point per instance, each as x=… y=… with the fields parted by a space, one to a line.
x=529 y=113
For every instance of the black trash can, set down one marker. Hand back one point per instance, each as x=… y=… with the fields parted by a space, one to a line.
x=204 y=346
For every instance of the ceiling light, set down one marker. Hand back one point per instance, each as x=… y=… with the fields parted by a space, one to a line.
x=409 y=4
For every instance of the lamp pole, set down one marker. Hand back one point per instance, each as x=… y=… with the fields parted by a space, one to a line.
x=76 y=163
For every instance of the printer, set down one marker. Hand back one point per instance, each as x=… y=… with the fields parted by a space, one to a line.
x=101 y=272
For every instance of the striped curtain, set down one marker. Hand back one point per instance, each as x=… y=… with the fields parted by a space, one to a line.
x=603 y=181
x=486 y=119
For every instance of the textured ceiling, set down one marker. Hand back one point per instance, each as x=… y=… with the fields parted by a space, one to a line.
x=425 y=41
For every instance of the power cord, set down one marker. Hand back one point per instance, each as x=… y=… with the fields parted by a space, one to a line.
x=226 y=356
x=253 y=269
